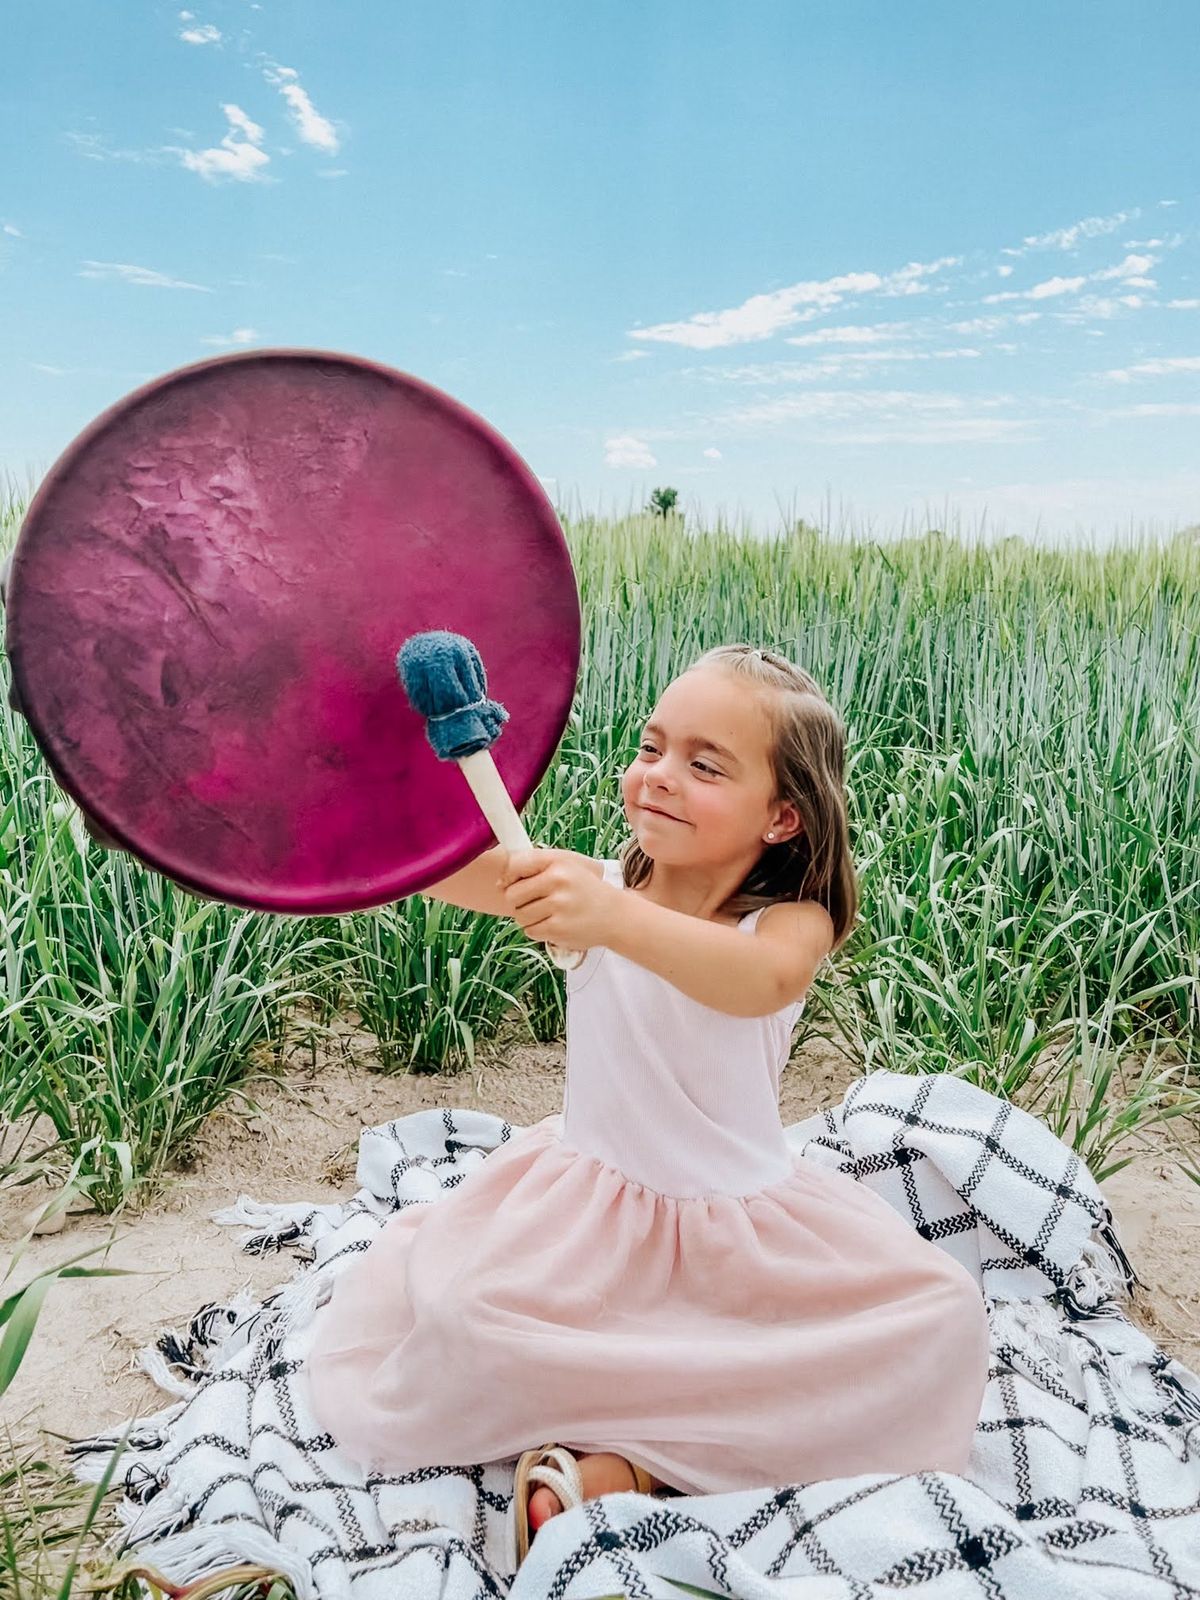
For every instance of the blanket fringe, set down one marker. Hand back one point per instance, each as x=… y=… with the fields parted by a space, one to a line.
x=275 y=1226
x=204 y=1552
x=1102 y=1279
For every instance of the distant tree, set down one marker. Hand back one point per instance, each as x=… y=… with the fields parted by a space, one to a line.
x=662 y=501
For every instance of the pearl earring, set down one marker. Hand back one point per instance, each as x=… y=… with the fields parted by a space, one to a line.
x=770 y=836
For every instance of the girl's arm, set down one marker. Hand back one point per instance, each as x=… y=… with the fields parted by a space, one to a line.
x=476 y=886
x=719 y=965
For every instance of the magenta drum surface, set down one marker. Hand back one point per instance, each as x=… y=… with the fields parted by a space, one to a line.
x=207 y=597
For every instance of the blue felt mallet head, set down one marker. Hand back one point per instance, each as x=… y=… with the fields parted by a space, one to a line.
x=446 y=684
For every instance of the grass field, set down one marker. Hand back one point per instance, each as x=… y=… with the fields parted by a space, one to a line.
x=1024 y=784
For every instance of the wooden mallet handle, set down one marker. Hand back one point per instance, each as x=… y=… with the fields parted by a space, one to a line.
x=496 y=804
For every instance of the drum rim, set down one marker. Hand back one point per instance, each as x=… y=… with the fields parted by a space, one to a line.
x=308 y=903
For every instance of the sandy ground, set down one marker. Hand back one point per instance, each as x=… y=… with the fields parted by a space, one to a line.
x=78 y=1374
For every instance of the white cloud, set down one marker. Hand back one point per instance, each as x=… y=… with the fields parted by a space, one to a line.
x=204 y=34
x=883 y=416
x=1054 y=286
x=1040 y=291
x=238 y=336
x=238 y=156
x=764 y=315
x=1004 y=272
x=852 y=335
x=1068 y=238
x=145 y=277
x=632 y=355
x=713 y=454
x=93 y=147
x=1184 y=305
x=1160 y=408
x=626 y=451
x=1155 y=368
x=12 y=232
x=759 y=317
x=1092 y=306
x=910 y=279
x=311 y=126
x=243 y=124
x=994 y=322
x=186 y=16
x=941 y=430
x=1132 y=270
x=844 y=363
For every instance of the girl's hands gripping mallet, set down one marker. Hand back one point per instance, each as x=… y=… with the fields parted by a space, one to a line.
x=445 y=682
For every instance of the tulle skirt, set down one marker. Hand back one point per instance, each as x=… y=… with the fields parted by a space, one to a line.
x=722 y=1343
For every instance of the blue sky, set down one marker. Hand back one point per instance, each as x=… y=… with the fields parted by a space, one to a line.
x=856 y=261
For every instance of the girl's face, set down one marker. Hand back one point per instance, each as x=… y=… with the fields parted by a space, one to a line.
x=703 y=761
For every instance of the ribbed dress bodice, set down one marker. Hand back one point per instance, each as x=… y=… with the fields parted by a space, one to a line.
x=679 y=1097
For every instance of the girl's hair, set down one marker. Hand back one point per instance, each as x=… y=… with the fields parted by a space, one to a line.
x=807 y=757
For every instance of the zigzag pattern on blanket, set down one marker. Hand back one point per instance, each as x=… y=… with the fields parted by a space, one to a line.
x=1085 y=1479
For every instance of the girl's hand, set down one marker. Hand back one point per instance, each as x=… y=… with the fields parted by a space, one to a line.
x=557 y=897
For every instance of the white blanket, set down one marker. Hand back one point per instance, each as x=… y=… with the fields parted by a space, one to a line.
x=1084 y=1481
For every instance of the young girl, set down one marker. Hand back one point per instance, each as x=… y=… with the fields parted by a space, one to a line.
x=649 y=1280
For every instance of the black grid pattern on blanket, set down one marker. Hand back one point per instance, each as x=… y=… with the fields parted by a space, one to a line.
x=1084 y=1479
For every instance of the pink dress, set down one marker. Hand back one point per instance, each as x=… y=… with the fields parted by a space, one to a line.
x=652 y=1272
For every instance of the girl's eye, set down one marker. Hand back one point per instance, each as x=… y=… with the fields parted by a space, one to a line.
x=712 y=771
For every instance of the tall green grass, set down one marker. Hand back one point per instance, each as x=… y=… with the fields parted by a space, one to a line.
x=1025 y=814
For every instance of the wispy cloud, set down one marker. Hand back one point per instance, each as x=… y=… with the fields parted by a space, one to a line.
x=853 y=363
x=994 y=322
x=1131 y=273
x=238 y=156
x=238 y=336
x=93 y=148
x=886 y=416
x=764 y=315
x=310 y=125
x=1183 y=305
x=11 y=230
x=713 y=454
x=632 y=355
x=1068 y=238
x=877 y=334
x=143 y=277
x=1154 y=368
x=1100 y=308
x=1160 y=408
x=201 y=33
x=626 y=451
x=1040 y=291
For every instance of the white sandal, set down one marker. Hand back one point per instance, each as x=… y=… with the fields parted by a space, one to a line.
x=564 y=1479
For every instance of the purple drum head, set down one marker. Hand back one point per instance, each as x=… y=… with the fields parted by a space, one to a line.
x=206 y=602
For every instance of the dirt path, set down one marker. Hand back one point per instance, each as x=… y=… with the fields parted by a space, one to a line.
x=78 y=1375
